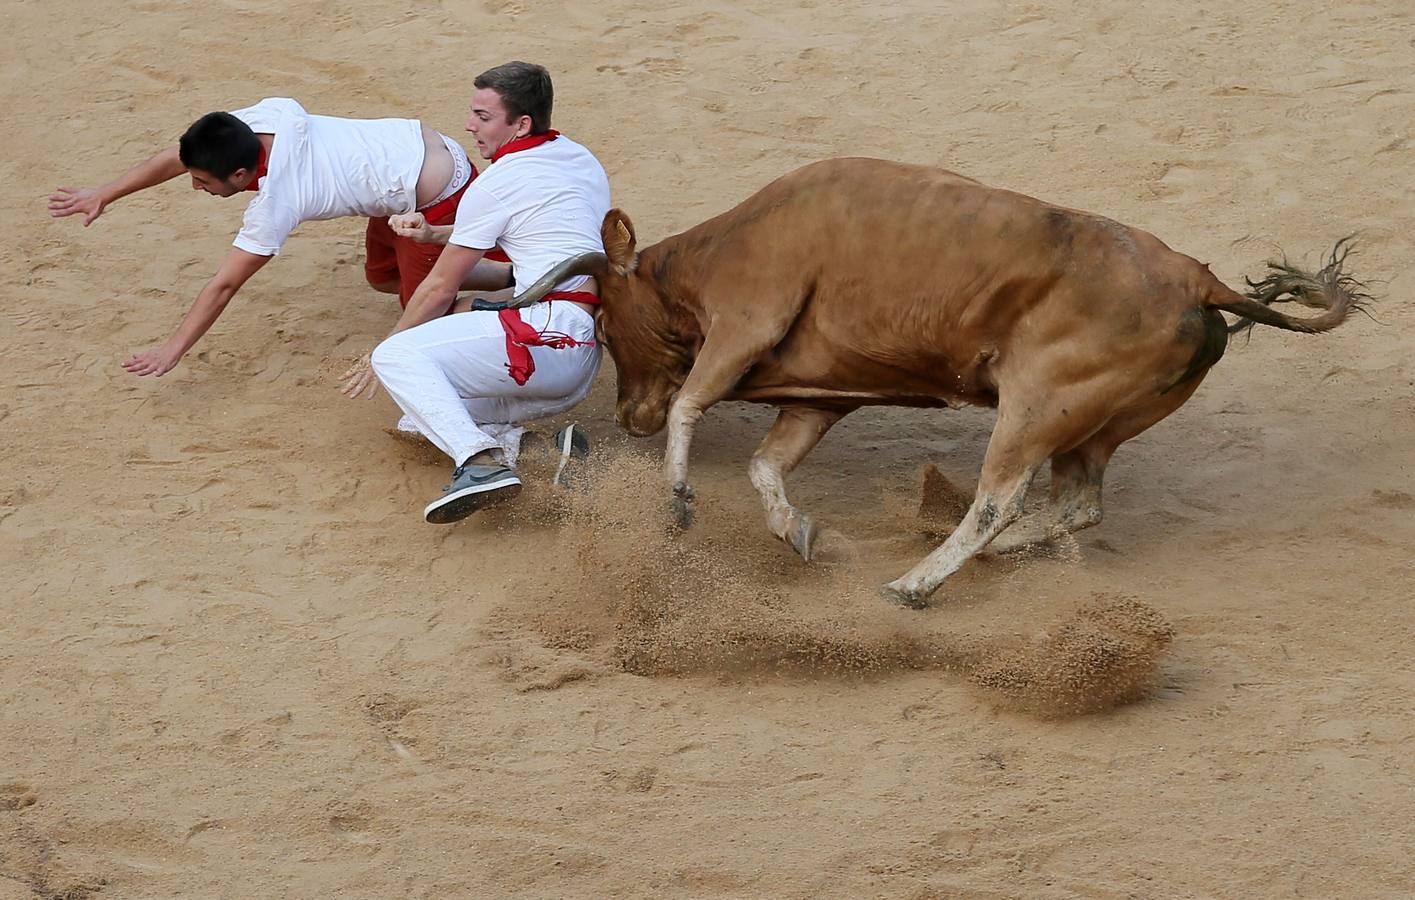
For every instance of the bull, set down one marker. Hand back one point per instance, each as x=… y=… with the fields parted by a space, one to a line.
x=860 y=282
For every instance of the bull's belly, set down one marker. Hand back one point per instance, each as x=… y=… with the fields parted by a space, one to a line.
x=851 y=399
x=780 y=392
x=897 y=388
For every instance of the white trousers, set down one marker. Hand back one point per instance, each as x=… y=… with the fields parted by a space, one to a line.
x=449 y=376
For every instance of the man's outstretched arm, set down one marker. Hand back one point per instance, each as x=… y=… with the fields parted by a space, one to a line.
x=68 y=201
x=235 y=270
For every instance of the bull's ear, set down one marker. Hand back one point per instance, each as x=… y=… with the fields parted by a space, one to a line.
x=618 y=235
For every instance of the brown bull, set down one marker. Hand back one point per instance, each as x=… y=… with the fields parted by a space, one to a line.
x=857 y=282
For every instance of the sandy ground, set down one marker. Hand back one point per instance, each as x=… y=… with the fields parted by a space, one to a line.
x=234 y=662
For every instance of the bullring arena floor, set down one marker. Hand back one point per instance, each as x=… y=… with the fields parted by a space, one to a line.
x=235 y=663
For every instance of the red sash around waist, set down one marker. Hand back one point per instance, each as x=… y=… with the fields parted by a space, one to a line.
x=520 y=337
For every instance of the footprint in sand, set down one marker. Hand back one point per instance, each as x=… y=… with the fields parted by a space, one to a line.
x=1393 y=499
x=16 y=795
x=640 y=781
x=354 y=823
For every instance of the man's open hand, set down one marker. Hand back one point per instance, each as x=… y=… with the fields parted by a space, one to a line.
x=67 y=201
x=359 y=378
x=157 y=361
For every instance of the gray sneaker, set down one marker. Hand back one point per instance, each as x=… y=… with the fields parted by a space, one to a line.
x=571 y=442
x=473 y=487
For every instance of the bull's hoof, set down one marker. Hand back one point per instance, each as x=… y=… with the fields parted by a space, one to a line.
x=802 y=537
x=682 y=506
x=900 y=597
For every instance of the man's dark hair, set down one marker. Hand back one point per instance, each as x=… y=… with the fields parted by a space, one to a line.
x=219 y=143
x=524 y=89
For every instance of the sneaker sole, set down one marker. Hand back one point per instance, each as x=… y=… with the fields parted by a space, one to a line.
x=455 y=507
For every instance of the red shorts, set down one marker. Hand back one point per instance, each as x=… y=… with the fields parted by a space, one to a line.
x=389 y=256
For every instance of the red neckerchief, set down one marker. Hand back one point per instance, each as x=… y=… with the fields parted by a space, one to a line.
x=262 y=168
x=525 y=143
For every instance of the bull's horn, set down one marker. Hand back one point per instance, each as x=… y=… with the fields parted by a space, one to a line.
x=584 y=264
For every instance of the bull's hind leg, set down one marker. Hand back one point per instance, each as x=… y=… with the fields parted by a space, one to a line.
x=1075 y=499
x=1012 y=461
x=1028 y=433
x=1076 y=478
x=1078 y=473
x=998 y=504
x=796 y=431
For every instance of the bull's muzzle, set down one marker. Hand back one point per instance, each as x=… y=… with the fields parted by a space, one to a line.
x=641 y=419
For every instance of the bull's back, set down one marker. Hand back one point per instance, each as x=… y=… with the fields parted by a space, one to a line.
x=917 y=281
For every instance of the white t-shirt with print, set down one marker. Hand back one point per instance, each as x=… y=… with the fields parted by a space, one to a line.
x=540 y=205
x=322 y=167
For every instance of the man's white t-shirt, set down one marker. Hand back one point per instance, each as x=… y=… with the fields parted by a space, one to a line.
x=540 y=205
x=321 y=167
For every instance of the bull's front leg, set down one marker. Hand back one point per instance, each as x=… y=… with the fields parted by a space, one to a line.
x=731 y=347
x=795 y=433
x=683 y=418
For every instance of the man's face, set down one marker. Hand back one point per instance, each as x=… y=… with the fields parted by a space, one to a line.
x=205 y=181
x=488 y=124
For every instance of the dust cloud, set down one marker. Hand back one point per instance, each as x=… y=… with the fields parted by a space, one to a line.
x=641 y=597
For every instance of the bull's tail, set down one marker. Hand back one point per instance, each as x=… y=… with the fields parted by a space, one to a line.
x=1330 y=289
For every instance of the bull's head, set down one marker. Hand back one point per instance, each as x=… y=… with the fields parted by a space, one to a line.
x=647 y=334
